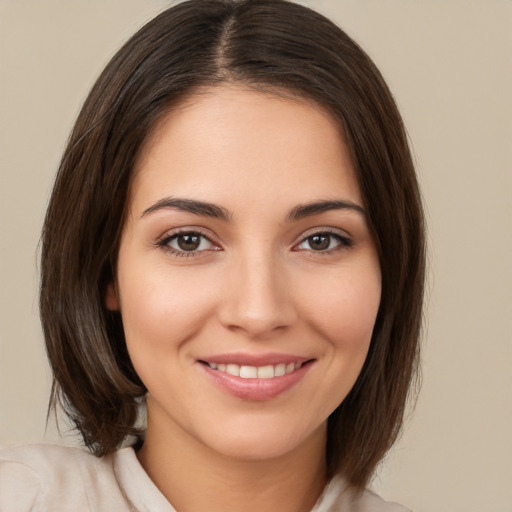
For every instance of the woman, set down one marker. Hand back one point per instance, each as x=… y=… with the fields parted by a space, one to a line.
x=235 y=241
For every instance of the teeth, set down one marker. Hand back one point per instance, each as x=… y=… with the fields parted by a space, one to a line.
x=279 y=370
x=256 y=372
x=266 y=372
x=233 y=369
x=248 y=372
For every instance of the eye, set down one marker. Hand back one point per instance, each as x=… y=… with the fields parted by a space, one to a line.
x=324 y=242
x=187 y=243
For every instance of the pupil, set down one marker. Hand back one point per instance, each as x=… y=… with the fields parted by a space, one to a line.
x=319 y=242
x=188 y=242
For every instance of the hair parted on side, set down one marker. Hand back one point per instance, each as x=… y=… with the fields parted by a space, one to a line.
x=271 y=45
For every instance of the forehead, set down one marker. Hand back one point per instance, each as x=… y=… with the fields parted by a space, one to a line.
x=228 y=141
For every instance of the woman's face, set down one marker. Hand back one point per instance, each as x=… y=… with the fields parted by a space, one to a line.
x=248 y=280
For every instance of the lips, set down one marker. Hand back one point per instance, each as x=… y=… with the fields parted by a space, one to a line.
x=256 y=377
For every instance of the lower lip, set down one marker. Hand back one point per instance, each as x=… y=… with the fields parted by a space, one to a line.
x=256 y=389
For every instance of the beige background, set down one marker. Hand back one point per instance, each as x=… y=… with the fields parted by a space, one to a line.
x=449 y=65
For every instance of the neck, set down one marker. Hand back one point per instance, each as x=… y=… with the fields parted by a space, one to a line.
x=194 y=478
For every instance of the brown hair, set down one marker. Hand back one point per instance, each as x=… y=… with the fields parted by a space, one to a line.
x=267 y=44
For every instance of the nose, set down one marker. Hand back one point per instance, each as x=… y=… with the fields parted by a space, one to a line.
x=257 y=299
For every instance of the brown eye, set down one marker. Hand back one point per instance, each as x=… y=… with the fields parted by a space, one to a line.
x=324 y=242
x=319 y=242
x=189 y=242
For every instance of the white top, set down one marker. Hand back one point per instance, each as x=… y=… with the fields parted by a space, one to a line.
x=49 y=477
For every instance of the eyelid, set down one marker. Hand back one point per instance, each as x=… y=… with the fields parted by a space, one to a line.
x=343 y=236
x=163 y=241
x=324 y=229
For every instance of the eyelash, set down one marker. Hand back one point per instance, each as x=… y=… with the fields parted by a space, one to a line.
x=344 y=242
x=164 y=243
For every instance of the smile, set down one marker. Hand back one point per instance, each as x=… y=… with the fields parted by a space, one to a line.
x=256 y=372
x=256 y=378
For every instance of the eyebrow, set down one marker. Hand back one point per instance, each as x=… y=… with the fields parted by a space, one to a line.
x=190 y=205
x=302 y=211
x=206 y=209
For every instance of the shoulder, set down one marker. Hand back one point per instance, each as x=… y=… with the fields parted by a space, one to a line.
x=338 y=497
x=371 y=502
x=52 y=477
x=41 y=453
x=52 y=461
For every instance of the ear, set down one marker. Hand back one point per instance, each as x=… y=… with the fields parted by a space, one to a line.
x=111 y=300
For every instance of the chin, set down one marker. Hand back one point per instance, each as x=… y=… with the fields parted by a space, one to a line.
x=258 y=442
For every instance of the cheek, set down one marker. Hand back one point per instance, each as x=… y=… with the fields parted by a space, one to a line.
x=344 y=307
x=162 y=309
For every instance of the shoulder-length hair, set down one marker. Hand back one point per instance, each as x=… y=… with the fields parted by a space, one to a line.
x=271 y=45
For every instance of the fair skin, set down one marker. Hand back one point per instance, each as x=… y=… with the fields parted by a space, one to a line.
x=222 y=262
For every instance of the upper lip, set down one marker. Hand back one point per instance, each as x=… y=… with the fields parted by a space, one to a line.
x=245 y=359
